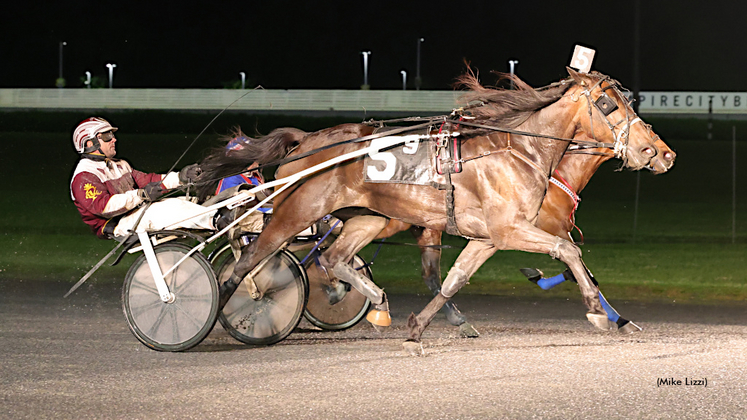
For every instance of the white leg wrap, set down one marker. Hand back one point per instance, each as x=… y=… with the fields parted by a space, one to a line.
x=453 y=282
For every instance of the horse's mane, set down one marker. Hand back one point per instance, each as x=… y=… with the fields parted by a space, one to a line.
x=508 y=108
x=223 y=162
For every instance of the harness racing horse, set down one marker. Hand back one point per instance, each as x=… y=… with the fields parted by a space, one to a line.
x=556 y=216
x=496 y=198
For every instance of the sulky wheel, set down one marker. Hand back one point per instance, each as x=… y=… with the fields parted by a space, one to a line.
x=331 y=309
x=183 y=323
x=273 y=317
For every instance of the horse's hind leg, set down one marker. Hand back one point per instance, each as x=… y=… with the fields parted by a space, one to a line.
x=430 y=255
x=471 y=258
x=287 y=221
x=356 y=233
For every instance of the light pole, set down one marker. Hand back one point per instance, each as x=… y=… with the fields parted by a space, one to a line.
x=243 y=79
x=60 y=80
x=418 y=81
x=511 y=66
x=404 y=79
x=365 y=70
x=111 y=73
x=88 y=79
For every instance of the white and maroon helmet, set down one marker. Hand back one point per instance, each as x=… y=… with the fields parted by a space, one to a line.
x=87 y=130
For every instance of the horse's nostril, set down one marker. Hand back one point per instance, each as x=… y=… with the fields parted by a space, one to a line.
x=668 y=156
x=647 y=151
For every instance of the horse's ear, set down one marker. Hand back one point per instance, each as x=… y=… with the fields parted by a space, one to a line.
x=576 y=76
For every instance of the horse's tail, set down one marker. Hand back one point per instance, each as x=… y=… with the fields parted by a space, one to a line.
x=238 y=152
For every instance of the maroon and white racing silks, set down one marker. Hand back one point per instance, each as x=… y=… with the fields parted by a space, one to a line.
x=103 y=189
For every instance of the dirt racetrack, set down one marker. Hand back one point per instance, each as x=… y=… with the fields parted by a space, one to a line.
x=75 y=358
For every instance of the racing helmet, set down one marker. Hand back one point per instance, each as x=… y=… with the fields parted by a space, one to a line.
x=87 y=130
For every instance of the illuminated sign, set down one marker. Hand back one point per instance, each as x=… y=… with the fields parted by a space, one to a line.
x=693 y=102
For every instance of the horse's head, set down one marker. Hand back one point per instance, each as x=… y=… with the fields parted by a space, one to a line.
x=608 y=117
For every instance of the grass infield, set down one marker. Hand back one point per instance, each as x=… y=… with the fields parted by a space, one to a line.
x=681 y=249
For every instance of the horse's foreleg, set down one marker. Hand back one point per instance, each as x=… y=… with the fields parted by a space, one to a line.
x=526 y=237
x=430 y=256
x=546 y=283
x=471 y=258
x=623 y=325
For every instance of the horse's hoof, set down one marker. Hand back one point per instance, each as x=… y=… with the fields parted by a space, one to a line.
x=466 y=330
x=379 y=318
x=335 y=294
x=413 y=348
x=455 y=318
x=599 y=321
x=629 y=328
x=532 y=274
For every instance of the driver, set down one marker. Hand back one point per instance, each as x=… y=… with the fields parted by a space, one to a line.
x=107 y=191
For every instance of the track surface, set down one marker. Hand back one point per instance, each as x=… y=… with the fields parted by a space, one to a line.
x=75 y=358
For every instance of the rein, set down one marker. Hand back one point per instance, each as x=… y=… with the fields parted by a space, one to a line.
x=429 y=122
x=586 y=143
x=618 y=147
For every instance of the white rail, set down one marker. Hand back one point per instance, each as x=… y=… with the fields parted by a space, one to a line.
x=277 y=100
x=217 y=99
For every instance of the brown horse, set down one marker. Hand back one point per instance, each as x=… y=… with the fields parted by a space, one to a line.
x=496 y=199
x=556 y=216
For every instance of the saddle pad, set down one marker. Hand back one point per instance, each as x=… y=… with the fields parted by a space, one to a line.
x=409 y=163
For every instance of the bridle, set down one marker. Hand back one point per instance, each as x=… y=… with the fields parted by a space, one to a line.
x=606 y=106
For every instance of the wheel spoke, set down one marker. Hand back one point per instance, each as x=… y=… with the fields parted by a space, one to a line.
x=147 y=287
x=265 y=322
x=283 y=300
x=175 y=336
x=195 y=281
x=245 y=304
x=156 y=325
x=280 y=281
x=188 y=315
x=141 y=309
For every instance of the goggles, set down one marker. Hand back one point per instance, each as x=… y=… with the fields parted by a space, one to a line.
x=107 y=136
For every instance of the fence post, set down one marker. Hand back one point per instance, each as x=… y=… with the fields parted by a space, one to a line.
x=733 y=184
x=710 y=118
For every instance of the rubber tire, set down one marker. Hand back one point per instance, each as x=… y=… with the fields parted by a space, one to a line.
x=197 y=318
x=242 y=314
x=342 y=315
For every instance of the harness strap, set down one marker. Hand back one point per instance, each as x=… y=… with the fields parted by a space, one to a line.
x=510 y=150
x=451 y=223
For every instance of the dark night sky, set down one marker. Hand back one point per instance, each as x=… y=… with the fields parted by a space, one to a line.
x=685 y=45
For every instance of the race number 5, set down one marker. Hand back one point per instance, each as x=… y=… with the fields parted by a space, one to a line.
x=387 y=158
x=582 y=58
